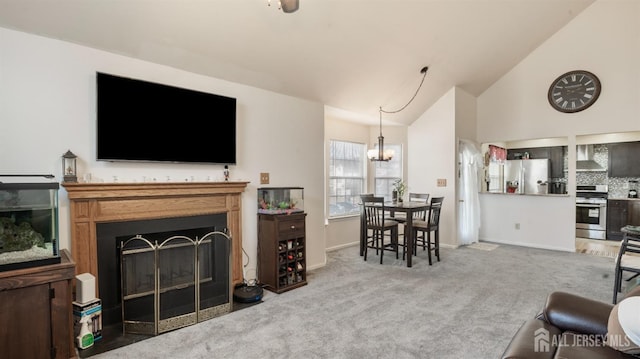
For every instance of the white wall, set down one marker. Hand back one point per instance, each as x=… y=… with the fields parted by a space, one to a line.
x=465 y=111
x=541 y=220
x=432 y=155
x=47 y=106
x=603 y=39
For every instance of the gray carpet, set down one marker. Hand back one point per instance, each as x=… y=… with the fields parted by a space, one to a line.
x=469 y=305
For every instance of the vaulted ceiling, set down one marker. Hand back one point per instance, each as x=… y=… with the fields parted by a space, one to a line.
x=351 y=55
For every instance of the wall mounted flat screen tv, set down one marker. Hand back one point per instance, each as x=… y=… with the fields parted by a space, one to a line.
x=150 y=122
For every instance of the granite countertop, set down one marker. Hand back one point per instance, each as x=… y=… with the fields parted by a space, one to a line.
x=625 y=198
x=529 y=194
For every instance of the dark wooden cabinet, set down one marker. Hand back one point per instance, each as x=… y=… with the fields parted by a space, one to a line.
x=556 y=157
x=624 y=159
x=282 y=251
x=634 y=212
x=621 y=212
x=533 y=152
x=36 y=312
x=617 y=214
x=555 y=154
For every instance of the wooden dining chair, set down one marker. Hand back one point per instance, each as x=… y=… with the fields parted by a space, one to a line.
x=420 y=214
x=418 y=197
x=422 y=229
x=413 y=197
x=384 y=232
x=364 y=232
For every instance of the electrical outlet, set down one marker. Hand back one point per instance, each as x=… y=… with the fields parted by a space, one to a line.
x=517 y=225
x=264 y=178
x=442 y=182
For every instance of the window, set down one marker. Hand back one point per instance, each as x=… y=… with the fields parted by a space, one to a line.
x=347 y=176
x=388 y=172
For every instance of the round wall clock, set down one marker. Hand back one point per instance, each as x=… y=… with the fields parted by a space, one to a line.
x=574 y=91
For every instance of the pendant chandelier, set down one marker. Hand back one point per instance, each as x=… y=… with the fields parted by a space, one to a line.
x=287 y=6
x=380 y=154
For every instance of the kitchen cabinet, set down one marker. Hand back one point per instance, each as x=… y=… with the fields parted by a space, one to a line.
x=621 y=212
x=555 y=154
x=617 y=213
x=534 y=153
x=35 y=307
x=634 y=212
x=624 y=159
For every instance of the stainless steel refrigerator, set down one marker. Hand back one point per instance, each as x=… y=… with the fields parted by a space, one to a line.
x=527 y=176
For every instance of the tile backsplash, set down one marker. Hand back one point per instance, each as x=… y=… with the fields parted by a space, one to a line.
x=618 y=186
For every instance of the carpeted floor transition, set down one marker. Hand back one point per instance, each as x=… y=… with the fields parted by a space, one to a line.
x=599 y=253
x=468 y=305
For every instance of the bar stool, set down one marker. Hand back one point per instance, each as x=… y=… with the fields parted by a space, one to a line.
x=364 y=232
x=413 y=197
x=379 y=225
x=422 y=229
x=628 y=258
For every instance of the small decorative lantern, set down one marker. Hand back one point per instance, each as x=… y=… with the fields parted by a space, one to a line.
x=226 y=173
x=69 y=167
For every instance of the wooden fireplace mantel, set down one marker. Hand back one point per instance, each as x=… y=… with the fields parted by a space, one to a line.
x=92 y=203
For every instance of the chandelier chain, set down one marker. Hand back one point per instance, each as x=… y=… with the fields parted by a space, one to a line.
x=424 y=75
x=380 y=154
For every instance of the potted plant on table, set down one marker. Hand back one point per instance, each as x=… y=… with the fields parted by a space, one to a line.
x=399 y=188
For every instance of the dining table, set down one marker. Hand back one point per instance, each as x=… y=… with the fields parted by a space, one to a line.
x=409 y=208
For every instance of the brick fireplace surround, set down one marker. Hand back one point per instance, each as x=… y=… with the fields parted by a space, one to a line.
x=92 y=203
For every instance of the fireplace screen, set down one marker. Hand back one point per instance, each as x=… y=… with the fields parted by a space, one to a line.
x=174 y=283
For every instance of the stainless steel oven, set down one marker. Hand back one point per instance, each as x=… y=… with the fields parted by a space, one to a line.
x=591 y=211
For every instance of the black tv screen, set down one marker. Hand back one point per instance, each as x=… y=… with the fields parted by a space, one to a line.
x=145 y=121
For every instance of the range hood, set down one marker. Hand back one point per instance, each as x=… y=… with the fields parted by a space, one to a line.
x=584 y=159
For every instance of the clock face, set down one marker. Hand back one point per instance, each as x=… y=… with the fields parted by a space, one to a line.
x=574 y=91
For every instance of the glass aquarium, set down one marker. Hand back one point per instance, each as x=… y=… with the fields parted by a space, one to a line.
x=280 y=200
x=28 y=225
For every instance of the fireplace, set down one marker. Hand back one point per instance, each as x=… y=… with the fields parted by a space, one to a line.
x=178 y=206
x=162 y=274
x=91 y=204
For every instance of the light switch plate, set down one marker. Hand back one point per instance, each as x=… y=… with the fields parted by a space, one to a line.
x=264 y=178
x=442 y=182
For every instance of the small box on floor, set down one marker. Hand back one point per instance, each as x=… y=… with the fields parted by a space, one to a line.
x=91 y=314
x=85 y=288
